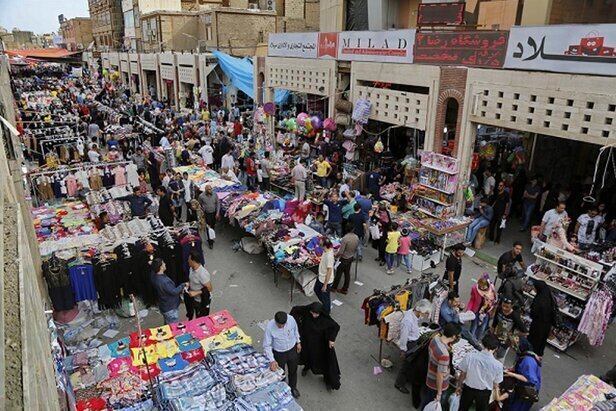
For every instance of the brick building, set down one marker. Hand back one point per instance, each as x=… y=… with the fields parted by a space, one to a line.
x=169 y=30
x=107 y=23
x=77 y=33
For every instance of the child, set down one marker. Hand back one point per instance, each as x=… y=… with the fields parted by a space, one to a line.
x=391 y=249
x=404 y=250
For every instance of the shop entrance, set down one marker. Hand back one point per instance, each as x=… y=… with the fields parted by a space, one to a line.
x=136 y=85
x=451 y=120
x=150 y=83
x=170 y=91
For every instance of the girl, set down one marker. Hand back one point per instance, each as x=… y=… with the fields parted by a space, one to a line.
x=404 y=250
x=391 y=249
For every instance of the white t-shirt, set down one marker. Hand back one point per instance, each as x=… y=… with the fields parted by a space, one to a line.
x=585 y=220
x=94 y=156
x=164 y=142
x=227 y=161
x=343 y=189
x=488 y=185
x=327 y=261
x=207 y=154
x=197 y=280
x=550 y=218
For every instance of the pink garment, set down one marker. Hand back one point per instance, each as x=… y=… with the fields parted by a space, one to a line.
x=181 y=327
x=597 y=315
x=120 y=366
x=405 y=245
x=200 y=328
x=71 y=185
x=220 y=321
x=120 y=176
x=474 y=304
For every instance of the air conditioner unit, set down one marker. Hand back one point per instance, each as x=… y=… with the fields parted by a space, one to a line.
x=269 y=5
x=253 y=6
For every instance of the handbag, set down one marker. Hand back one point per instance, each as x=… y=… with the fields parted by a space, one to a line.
x=526 y=393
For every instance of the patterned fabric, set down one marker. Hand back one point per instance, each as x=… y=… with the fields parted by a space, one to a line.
x=196 y=381
x=187 y=342
x=247 y=383
x=274 y=397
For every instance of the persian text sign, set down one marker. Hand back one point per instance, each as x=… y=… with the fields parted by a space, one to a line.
x=473 y=49
x=394 y=46
x=440 y=14
x=588 y=49
x=302 y=45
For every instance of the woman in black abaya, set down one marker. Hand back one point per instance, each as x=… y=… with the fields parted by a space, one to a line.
x=318 y=333
x=542 y=316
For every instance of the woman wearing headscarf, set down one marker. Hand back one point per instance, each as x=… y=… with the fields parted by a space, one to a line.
x=542 y=316
x=482 y=303
x=526 y=375
x=318 y=333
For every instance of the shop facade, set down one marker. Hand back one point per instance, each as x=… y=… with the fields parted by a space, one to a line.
x=135 y=73
x=168 y=75
x=188 y=80
x=124 y=68
x=150 y=74
x=114 y=61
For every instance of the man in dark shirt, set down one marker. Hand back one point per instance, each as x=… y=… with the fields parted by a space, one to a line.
x=529 y=202
x=374 y=181
x=508 y=260
x=366 y=205
x=165 y=208
x=334 y=222
x=507 y=323
x=168 y=293
x=501 y=211
x=359 y=223
x=453 y=267
x=138 y=202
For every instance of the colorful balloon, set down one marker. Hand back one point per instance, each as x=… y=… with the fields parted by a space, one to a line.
x=316 y=123
x=301 y=117
x=308 y=124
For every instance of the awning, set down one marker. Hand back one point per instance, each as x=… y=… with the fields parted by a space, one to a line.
x=43 y=54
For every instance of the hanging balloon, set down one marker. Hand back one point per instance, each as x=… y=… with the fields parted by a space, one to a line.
x=329 y=124
x=316 y=123
x=308 y=123
x=301 y=117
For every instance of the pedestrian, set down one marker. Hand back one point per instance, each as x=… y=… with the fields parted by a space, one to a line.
x=391 y=249
x=165 y=207
x=168 y=293
x=323 y=170
x=409 y=335
x=586 y=228
x=189 y=189
x=176 y=188
x=507 y=324
x=453 y=267
x=450 y=313
x=345 y=188
x=360 y=226
x=139 y=159
x=325 y=278
x=483 y=217
x=251 y=171
x=551 y=219
x=299 y=174
x=282 y=346
x=153 y=170
x=318 y=331
x=500 y=208
x=488 y=185
x=334 y=221
x=437 y=380
x=139 y=203
x=347 y=253
x=527 y=375
x=210 y=204
x=143 y=183
x=265 y=171
x=195 y=214
x=374 y=181
x=199 y=295
x=207 y=153
x=508 y=260
x=480 y=374
x=349 y=205
x=382 y=219
x=542 y=316
x=404 y=249
x=93 y=154
x=482 y=303
x=529 y=202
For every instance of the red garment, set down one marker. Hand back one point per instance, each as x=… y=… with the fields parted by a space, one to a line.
x=148 y=339
x=251 y=168
x=192 y=356
x=220 y=321
x=93 y=404
x=237 y=128
x=142 y=371
x=474 y=304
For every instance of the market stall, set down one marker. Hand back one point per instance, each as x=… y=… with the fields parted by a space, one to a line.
x=585 y=394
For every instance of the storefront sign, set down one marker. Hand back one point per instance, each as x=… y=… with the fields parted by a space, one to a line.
x=473 y=49
x=328 y=45
x=302 y=45
x=440 y=14
x=588 y=49
x=394 y=46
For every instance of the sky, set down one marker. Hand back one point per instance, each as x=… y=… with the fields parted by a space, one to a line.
x=39 y=16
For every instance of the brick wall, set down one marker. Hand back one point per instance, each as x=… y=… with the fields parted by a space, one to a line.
x=294 y=9
x=239 y=34
x=582 y=11
x=452 y=85
x=313 y=14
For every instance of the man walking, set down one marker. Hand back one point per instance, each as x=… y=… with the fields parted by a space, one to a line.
x=168 y=293
x=453 y=267
x=551 y=218
x=324 y=281
x=529 y=202
x=299 y=175
x=437 y=380
x=347 y=252
x=500 y=207
x=165 y=208
x=210 y=204
x=282 y=345
x=265 y=170
x=359 y=223
x=480 y=374
x=508 y=260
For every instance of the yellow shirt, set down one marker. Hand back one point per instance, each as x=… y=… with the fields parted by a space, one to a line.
x=161 y=333
x=205 y=115
x=392 y=242
x=322 y=168
x=150 y=354
x=167 y=349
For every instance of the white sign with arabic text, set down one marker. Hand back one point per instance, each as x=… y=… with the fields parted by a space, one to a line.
x=588 y=49
x=302 y=45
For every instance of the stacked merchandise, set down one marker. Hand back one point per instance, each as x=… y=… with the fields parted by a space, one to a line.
x=103 y=200
x=206 y=364
x=201 y=176
x=438 y=181
x=66 y=220
x=586 y=394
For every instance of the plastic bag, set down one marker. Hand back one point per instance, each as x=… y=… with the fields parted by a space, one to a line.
x=211 y=233
x=454 y=402
x=375 y=233
x=433 y=406
x=503 y=223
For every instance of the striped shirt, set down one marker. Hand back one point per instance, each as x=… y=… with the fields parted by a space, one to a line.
x=438 y=362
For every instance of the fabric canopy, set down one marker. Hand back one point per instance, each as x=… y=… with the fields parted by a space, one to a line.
x=241 y=73
x=43 y=53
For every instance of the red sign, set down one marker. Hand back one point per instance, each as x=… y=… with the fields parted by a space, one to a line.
x=328 y=45
x=440 y=14
x=473 y=49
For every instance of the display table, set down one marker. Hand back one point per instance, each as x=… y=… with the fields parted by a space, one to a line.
x=585 y=393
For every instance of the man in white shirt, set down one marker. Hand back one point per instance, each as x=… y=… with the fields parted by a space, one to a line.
x=164 y=142
x=299 y=175
x=480 y=374
x=228 y=160
x=93 y=155
x=587 y=225
x=199 y=288
x=551 y=218
x=409 y=334
x=489 y=182
x=344 y=188
x=323 y=283
x=207 y=154
x=282 y=345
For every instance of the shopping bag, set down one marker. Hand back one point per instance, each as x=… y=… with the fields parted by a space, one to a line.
x=433 y=406
x=503 y=223
x=260 y=175
x=454 y=402
x=375 y=233
x=211 y=234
